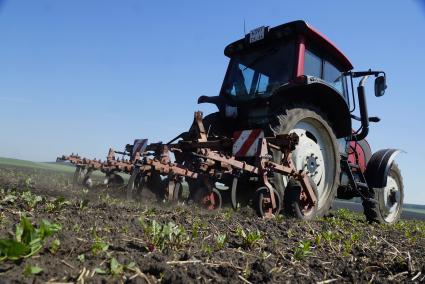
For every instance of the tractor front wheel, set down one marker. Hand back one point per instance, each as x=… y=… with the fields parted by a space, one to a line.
x=386 y=203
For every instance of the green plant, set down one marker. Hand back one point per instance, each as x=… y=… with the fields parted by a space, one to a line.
x=220 y=241
x=32 y=270
x=57 y=204
x=81 y=257
x=30 y=199
x=117 y=268
x=28 y=240
x=302 y=250
x=249 y=238
x=99 y=245
x=54 y=246
x=161 y=236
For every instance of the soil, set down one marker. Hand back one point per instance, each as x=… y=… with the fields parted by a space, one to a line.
x=223 y=246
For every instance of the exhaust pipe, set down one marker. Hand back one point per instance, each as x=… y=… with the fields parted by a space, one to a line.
x=364 y=116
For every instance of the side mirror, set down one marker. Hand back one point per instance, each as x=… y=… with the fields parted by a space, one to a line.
x=380 y=86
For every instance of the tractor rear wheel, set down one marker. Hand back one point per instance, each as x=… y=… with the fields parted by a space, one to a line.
x=386 y=204
x=316 y=153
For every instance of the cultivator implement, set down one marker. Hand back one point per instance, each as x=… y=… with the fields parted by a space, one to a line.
x=202 y=162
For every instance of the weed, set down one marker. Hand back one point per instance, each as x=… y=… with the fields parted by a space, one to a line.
x=81 y=257
x=54 y=246
x=303 y=250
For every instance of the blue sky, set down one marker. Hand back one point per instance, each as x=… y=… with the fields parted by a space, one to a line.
x=81 y=76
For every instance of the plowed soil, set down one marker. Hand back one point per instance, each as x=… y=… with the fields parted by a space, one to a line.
x=105 y=238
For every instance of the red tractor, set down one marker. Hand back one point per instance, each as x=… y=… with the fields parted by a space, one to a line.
x=282 y=139
x=292 y=79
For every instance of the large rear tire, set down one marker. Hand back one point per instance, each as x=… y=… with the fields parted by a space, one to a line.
x=316 y=153
x=386 y=204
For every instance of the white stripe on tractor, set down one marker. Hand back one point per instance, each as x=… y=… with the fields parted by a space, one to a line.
x=243 y=137
x=253 y=149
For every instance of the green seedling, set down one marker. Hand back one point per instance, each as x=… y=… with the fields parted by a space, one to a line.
x=117 y=268
x=28 y=240
x=220 y=241
x=249 y=238
x=30 y=199
x=303 y=250
x=32 y=270
x=99 y=245
x=161 y=236
x=54 y=246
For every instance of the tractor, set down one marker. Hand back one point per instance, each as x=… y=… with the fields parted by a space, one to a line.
x=292 y=79
x=282 y=140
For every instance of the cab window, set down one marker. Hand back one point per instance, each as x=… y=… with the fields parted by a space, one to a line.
x=333 y=76
x=312 y=64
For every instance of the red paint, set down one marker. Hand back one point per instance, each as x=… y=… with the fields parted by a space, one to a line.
x=356 y=150
x=299 y=67
x=248 y=142
x=330 y=46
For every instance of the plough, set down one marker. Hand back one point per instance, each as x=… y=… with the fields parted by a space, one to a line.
x=202 y=163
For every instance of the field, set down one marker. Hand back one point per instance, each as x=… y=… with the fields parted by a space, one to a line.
x=51 y=232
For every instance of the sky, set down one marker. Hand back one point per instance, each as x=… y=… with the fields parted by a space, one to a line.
x=85 y=75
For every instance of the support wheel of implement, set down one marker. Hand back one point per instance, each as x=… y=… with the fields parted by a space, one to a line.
x=386 y=203
x=78 y=178
x=208 y=200
x=264 y=203
x=316 y=153
x=296 y=203
x=135 y=185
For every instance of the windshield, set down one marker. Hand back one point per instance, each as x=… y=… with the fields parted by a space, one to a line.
x=258 y=73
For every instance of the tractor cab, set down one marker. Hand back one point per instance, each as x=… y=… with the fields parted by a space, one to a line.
x=268 y=59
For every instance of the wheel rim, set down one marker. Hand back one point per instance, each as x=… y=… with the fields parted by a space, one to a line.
x=264 y=201
x=391 y=200
x=315 y=155
x=211 y=201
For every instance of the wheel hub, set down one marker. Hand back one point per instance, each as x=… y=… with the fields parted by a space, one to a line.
x=391 y=199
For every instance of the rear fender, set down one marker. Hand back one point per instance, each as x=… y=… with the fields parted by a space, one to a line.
x=379 y=166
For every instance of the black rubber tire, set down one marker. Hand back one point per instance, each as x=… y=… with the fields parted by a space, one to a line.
x=261 y=193
x=200 y=193
x=78 y=177
x=374 y=209
x=291 y=201
x=283 y=123
x=135 y=185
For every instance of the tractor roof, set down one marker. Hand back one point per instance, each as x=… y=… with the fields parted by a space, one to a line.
x=292 y=29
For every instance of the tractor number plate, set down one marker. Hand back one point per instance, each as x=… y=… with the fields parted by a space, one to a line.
x=256 y=34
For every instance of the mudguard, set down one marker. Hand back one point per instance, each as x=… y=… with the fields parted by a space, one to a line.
x=379 y=166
